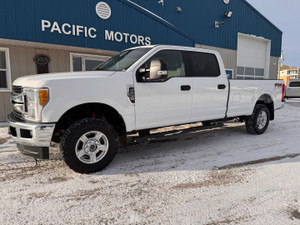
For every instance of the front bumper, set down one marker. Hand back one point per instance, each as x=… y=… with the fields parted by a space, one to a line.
x=32 y=139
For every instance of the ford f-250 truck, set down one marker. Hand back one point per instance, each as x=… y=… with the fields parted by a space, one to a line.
x=141 y=88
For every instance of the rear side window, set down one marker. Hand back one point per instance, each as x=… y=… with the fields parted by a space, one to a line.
x=202 y=64
x=295 y=84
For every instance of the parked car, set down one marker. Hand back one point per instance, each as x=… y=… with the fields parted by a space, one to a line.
x=141 y=88
x=293 y=89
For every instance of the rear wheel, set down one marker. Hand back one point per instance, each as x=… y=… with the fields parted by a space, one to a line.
x=89 y=145
x=258 y=122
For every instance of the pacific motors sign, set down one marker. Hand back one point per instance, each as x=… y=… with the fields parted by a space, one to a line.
x=68 y=29
x=127 y=38
x=91 y=32
x=104 y=12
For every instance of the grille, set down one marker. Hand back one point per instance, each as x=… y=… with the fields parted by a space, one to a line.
x=17 y=100
x=17 y=89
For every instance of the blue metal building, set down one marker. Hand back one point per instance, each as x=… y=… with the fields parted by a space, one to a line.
x=38 y=36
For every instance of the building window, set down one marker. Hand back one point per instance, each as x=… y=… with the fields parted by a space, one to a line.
x=229 y=73
x=83 y=62
x=5 y=75
x=250 y=73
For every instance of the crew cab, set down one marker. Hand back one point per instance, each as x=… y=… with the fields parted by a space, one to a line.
x=90 y=113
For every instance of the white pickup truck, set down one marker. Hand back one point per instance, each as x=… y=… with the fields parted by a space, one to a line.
x=141 y=88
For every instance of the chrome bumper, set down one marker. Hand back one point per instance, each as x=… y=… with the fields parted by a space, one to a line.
x=32 y=139
x=29 y=134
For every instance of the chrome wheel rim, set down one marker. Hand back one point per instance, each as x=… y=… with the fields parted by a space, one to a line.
x=91 y=147
x=262 y=119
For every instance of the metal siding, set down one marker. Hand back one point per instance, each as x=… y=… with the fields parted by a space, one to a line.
x=274 y=68
x=21 y=20
x=198 y=17
x=250 y=22
x=6 y=107
x=2 y=108
x=29 y=18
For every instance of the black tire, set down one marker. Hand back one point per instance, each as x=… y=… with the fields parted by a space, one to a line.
x=92 y=159
x=258 y=122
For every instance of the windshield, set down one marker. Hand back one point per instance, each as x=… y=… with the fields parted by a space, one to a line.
x=123 y=60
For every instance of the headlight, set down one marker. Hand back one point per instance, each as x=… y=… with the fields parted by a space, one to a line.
x=36 y=99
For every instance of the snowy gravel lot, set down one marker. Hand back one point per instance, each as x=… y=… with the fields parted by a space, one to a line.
x=214 y=176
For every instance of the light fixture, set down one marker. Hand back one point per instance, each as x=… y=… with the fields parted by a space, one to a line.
x=161 y=2
x=217 y=24
x=178 y=9
x=228 y=14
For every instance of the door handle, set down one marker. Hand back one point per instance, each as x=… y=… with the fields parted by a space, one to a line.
x=221 y=86
x=185 y=87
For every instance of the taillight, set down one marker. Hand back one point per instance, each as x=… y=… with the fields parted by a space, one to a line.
x=283 y=89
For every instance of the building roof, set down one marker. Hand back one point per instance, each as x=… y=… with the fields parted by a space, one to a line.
x=287 y=67
x=262 y=16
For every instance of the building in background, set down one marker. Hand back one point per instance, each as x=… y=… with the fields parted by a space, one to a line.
x=288 y=73
x=59 y=36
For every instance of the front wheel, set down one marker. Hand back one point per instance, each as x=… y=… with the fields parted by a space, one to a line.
x=89 y=145
x=258 y=122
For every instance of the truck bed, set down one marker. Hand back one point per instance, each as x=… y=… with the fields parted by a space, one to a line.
x=243 y=95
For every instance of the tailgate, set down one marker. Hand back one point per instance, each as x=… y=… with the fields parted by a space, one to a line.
x=279 y=90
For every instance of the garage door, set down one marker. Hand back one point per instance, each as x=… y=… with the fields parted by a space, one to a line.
x=253 y=57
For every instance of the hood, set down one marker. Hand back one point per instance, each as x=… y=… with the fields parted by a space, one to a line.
x=38 y=81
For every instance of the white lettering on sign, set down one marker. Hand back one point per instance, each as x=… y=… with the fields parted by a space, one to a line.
x=125 y=37
x=91 y=32
x=68 y=29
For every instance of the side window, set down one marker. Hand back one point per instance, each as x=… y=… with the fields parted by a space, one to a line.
x=202 y=64
x=295 y=84
x=162 y=66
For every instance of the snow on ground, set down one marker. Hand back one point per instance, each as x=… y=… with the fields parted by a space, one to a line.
x=220 y=175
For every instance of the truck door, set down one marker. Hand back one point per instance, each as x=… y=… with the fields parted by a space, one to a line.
x=210 y=87
x=162 y=91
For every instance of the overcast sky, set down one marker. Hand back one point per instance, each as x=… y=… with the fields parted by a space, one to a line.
x=285 y=14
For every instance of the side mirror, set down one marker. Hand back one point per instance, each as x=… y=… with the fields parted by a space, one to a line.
x=158 y=69
x=142 y=74
x=143 y=70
